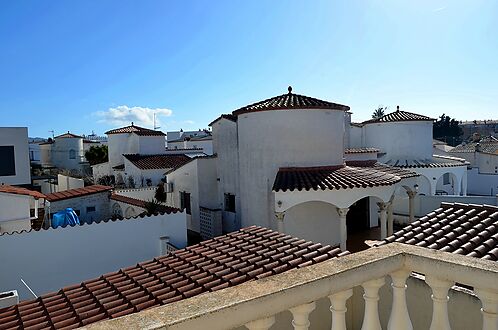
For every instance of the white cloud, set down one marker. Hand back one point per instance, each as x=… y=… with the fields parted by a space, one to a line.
x=124 y=115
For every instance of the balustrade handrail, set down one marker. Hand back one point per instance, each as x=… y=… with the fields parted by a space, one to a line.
x=255 y=300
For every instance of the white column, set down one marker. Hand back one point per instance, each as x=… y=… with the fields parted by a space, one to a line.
x=440 y=320
x=464 y=184
x=411 y=203
x=301 y=316
x=371 y=296
x=383 y=219
x=457 y=185
x=343 y=227
x=489 y=309
x=338 y=308
x=399 y=319
x=280 y=221
x=390 y=219
x=36 y=207
x=261 y=324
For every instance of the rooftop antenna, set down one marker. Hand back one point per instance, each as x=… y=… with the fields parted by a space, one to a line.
x=52 y=131
x=155 y=127
x=27 y=286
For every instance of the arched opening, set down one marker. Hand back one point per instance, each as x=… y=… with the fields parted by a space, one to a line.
x=130 y=212
x=447 y=184
x=363 y=223
x=314 y=221
x=424 y=185
x=116 y=211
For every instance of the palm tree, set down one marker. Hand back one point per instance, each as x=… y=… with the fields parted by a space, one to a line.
x=379 y=112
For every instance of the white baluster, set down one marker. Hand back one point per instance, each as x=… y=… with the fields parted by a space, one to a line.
x=338 y=308
x=440 y=320
x=301 y=316
x=261 y=324
x=399 y=319
x=489 y=309
x=371 y=296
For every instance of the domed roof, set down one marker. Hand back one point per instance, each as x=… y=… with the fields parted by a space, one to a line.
x=290 y=101
x=399 y=115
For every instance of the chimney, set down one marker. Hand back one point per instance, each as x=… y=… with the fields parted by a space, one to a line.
x=9 y=298
x=397 y=108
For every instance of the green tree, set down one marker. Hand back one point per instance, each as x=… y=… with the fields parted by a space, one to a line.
x=447 y=129
x=379 y=112
x=97 y=154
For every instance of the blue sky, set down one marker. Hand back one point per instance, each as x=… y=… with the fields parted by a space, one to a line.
x=92 y=65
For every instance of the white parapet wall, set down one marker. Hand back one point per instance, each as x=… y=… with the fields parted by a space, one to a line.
x=144 y=194
x=50 y=259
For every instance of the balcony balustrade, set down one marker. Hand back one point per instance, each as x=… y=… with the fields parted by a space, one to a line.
x=260 y=304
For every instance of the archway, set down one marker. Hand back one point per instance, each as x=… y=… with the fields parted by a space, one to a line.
x=448 y=184
x=130 y=212
x=315 y=221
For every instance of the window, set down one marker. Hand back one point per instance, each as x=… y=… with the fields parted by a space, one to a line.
x=185 y=202
x=446 y=178
x=72 y=154
x=8 y=163
x=230 y=203
x=90 y=209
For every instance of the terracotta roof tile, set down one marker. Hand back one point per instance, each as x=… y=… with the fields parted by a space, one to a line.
x=180 y=275
x=466 y=229
x=78 y=192
x=361 y=150
x=20 y=191
x=290 y=101
x=162 y=161
x=398 y=116
x=140 y=203
x=136 y=130
x=401 y=172
x=489 y=147
x=224 y=116
x=68 y=136
x=331 y=178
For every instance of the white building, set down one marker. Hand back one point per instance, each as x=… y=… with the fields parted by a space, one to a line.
x=200 y=140
x=16 y=208
x=404 y=140
x=91 y=203
x=14 y=155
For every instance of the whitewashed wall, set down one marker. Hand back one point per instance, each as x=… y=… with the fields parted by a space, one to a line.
x=482 y=184
x=487 y=163
x=100 y=201
x=150 y=145
x=50 y=259
x=14 y=213
x=225 y=142
x=61 y=153
x=17 y=137
x=65 y=182
x=140 y=176
x=144 y=194
x=400 y=140
x=272 y=139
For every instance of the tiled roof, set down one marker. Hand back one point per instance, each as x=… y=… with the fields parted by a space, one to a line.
x=78 y=192
x=152 y=162
x=68 y=135
x=290 y=101
x=224 y=116
x=136 y=130
x=401 y=172
x=140 y=203
x=486 y=147
x=249 y=254
x=360 y=150
x=21 y=191
x=331 y=178
x=466 y=229
x=399 y=116
x=437 y=161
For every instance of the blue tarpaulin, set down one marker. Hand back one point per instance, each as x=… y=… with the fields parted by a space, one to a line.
x=64 y=218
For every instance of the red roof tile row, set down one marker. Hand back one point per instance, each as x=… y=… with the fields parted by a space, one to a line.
x=68 y=136
x=398 y=171
x=140 y=203
x=162 y=161
x=331 y=178
x=290 y=101
x=249 y=254
x=20 y=191
x=466 y=229
x=136 y=130
x=78 y=192
x=360 y=150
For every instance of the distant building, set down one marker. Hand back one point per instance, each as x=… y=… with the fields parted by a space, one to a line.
x=201 y=140
x=14 y=156
x=482 y=127
x=18 y=206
